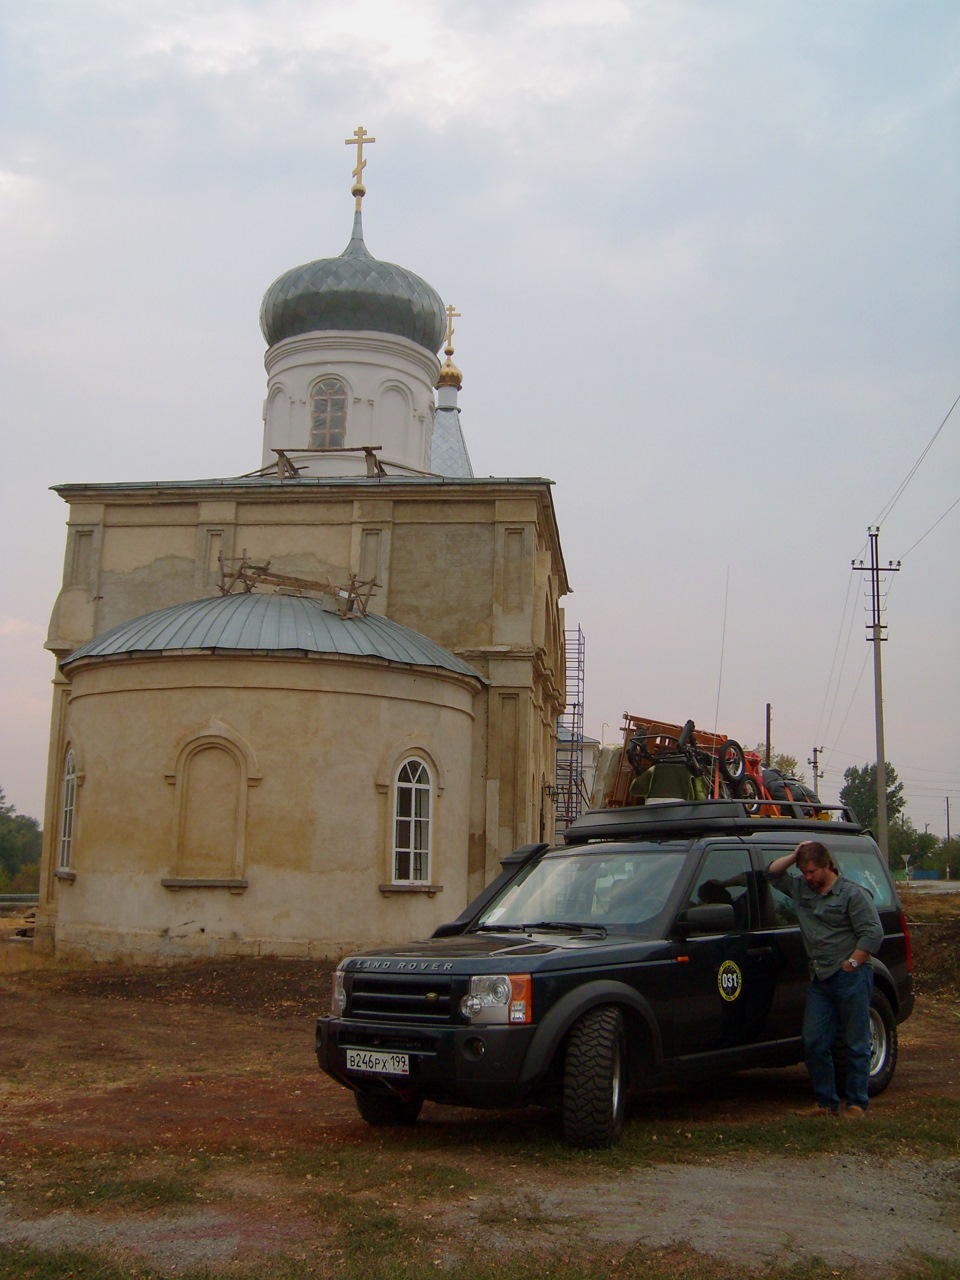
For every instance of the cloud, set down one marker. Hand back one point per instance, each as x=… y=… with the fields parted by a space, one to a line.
x=17 y=628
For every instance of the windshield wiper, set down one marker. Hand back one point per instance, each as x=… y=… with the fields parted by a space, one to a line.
x=500 y=928
x=566 y=926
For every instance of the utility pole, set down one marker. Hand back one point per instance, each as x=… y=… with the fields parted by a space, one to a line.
x=817 y=772
x=947 y=798
x=877 y=629
x=767 y=751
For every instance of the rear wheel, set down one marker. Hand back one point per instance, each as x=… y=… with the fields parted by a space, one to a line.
x=387 y=1108
x=731 y=760
x=594 y=1079
x=884 y=1047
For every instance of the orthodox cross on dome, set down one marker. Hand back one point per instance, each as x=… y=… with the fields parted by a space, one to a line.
x=450 y=375
x=360 y=136
x=451 y=316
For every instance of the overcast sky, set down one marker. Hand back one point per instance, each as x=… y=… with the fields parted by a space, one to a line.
x=706 y=260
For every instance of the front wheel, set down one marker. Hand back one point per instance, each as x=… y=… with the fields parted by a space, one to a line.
x=387 y=1108
x=594 y=1079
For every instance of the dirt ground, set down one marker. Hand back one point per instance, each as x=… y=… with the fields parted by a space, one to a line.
x=212 y=1065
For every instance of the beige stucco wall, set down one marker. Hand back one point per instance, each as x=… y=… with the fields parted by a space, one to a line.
x=476 y=565
x=317 y=743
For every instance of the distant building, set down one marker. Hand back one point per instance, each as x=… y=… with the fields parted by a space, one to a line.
x=308 y=708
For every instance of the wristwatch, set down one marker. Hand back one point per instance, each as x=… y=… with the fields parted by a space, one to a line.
x=855 y=963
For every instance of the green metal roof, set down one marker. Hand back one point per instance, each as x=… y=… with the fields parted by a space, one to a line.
x=269 y=623
x=353 y=292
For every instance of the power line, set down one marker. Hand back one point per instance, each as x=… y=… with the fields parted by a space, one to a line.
x=843 y=663
x=833 y=663
x=931 y=529
x=913 y=470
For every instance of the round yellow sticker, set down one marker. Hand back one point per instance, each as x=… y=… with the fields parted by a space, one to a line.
x=730 y=980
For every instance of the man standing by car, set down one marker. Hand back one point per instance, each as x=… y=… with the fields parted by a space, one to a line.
x=841 y=932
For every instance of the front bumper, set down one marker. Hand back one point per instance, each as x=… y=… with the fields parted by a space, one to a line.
x=469 y=1066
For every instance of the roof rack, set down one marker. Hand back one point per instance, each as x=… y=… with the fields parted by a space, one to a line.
x=669 y=817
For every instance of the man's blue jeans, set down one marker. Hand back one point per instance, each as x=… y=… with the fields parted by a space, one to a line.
x=839 y=1006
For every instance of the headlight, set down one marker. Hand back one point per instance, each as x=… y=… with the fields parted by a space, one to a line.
x=338 y=997
x=498 y=998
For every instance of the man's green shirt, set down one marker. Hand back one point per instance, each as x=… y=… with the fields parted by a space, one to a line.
x=834 y=923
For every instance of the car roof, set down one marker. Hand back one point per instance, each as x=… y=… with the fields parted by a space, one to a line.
x=705 y=817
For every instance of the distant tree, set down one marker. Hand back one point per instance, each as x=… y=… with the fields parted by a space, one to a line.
x=859 y=791
x=909 y=847
x=788 y=765
x=20 y=842
x=946 y=859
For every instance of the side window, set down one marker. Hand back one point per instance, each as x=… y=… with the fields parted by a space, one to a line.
x=411 y=842
x=724 y=877
x=777 y=909
x=328 y=414
x=864 y=869
x=68 y=802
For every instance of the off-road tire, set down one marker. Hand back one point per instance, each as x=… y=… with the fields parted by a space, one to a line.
x=731 y=760
x=883 y=1048
x=595 y=1079
x=387 y=1108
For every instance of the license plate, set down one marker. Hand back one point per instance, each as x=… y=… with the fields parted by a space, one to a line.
x=381 y=1064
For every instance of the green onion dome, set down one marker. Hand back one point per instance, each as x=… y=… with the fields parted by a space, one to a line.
x=353 y=292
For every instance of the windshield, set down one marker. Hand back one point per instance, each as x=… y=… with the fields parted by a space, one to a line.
x=620 y=891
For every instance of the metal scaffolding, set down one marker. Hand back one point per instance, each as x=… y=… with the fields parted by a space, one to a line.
x=570 y=791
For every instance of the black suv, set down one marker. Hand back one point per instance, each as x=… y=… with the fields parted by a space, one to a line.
x=650 y=947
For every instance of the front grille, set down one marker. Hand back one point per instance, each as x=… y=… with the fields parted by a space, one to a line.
x=392 y=1041
x=400 y=997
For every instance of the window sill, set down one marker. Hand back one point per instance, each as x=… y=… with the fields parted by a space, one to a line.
x=185 y=882
x=431 y=890
x=62 y=874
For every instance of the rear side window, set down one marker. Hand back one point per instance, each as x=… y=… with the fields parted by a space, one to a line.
x=865 y=870
x=862 y=866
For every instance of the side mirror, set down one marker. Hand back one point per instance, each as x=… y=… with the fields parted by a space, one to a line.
x=713 y=917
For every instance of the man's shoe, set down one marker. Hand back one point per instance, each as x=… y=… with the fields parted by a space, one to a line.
x=852 y=1112
x=816 y=1113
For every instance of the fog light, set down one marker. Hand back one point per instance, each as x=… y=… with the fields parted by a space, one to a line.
x=474 y=1048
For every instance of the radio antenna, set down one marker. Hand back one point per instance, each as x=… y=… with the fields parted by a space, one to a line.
x=723 y=642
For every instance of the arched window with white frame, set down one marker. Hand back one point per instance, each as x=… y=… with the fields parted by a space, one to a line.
x=413 y=793
x=68 y=804
x=328 y=414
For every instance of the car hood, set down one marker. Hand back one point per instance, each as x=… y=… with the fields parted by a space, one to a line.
x=436 y=954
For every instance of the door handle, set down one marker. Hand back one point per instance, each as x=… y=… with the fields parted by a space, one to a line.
x=759 y=951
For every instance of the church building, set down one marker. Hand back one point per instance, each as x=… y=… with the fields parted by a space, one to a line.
x=306 y=709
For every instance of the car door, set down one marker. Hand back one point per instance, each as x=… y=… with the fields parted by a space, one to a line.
x=725 y=981
x=779 y=931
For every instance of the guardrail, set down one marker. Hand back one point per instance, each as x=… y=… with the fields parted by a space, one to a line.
x=11 y=903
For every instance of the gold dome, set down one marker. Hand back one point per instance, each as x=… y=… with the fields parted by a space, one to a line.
x=450 y=375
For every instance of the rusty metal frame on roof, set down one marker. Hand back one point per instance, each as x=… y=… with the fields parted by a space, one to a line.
x=351 y=599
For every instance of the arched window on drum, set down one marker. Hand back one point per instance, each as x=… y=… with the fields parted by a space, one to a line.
x=328 y=414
